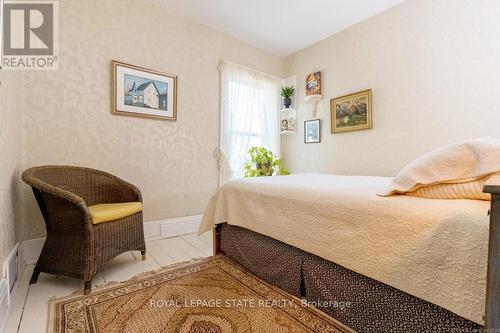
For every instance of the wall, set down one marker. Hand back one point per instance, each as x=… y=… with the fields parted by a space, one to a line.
x=433 y=66
x=68 y=119
x=11 y=137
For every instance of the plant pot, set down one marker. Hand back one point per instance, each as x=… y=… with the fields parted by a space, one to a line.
x=287 y=101
x=265 y=168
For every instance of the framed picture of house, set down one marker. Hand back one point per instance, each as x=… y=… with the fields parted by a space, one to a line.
x=143 y=92
x=352 y=112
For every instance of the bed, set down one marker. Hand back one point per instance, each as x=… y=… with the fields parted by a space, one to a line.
x=421 y=259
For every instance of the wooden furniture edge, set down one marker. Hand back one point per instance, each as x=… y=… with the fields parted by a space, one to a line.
x=216 y=240
x=493 y=189
x=492 y=310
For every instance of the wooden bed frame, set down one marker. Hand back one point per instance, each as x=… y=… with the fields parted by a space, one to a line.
x=492 y=312
x=492 y=315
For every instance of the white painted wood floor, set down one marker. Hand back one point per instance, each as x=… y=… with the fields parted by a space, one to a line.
x=29 y=311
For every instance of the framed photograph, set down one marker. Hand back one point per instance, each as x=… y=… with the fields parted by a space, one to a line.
x=143 y=92
x=313 y=84
x=312 y=131
x=352 y=112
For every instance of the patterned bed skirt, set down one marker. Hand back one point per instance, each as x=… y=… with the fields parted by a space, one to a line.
x=364 y=304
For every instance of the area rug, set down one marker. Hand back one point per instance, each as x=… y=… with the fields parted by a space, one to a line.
x=212 y=295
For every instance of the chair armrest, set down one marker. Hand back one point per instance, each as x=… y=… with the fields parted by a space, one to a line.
x=82 y=187
x=74 y=203
x=54 y=190
x=128 y=186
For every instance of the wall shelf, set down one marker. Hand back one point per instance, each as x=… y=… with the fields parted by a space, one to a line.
x=288 y=121
x=313 y=100
x=288 y=116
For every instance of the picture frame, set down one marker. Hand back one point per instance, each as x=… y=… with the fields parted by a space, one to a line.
x=313 y=84
x=351 y=112
x=142 y=92
x=312 y=131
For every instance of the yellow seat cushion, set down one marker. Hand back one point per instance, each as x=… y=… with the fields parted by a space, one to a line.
x=114 y=211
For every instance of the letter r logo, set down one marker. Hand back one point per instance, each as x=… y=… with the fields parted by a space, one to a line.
x=28 y=28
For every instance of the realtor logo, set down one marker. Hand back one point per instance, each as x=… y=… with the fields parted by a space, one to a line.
x=30 y=36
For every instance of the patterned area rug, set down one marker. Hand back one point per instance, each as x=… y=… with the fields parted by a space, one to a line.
x=211 y=295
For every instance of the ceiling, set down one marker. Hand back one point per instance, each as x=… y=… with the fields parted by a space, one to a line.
x=280 y=27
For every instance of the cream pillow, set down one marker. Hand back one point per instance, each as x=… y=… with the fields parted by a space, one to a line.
x=455 y=171
x=468 y=190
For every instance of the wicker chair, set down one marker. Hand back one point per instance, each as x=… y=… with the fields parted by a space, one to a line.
x=74 y=246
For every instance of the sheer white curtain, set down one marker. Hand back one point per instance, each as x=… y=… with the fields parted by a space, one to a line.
x=250 y=103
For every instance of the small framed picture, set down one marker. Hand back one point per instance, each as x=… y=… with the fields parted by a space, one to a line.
x=143 y=92
x=313 y=84
x=352 y=112
x=312 y=131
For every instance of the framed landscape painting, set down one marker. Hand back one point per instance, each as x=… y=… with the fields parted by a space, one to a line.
x=143 y=92
x=352 y=112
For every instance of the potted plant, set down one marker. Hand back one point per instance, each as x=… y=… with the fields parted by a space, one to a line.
x=264 y=163
x=287 y=93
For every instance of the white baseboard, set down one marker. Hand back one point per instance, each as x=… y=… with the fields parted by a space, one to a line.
x=172 y=227
x=30 y=249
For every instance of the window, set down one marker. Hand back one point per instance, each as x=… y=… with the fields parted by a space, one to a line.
x=249 y=117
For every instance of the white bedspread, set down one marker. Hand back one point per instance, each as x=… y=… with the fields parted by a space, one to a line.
x=433 y=249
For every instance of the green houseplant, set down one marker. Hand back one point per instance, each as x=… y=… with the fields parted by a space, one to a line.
x=264 y=162
x=287 y=93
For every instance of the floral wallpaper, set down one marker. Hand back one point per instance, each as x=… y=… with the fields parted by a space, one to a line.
x=68 y=116
x=11 y=137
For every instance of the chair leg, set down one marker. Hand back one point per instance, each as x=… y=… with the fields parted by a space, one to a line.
x=143 y=253
x=87 y=287
x=34 y=277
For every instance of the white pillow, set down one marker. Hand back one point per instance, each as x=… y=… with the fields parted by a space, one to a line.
x=468 y=190
x=466 y=162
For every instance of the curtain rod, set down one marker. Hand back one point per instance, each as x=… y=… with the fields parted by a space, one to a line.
x=224 y=61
